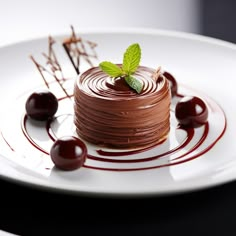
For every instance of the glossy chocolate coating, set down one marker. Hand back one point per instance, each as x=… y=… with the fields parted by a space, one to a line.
x=41 y=105
x=191 y=111
x=68 y=153
x=108 y=112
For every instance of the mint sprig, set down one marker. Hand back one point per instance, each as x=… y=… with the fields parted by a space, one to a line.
x=134 y=83
x=131 y=60
x=111 y=69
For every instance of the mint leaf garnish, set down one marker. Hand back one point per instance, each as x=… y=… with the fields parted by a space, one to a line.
x=131 y=62
x=111 y=69
x=134 y=83
x=131 y=59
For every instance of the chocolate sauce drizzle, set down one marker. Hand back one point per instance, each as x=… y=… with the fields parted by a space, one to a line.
x=76 y=48
x=7 y=143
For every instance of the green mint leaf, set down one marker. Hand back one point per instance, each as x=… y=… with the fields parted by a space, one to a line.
x=134 y=83
x=131 y=59
x=111 y=69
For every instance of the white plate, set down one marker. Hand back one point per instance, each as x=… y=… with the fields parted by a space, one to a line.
x=202 y=66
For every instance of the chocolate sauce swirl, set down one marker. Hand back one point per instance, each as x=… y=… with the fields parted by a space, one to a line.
x=109 y=112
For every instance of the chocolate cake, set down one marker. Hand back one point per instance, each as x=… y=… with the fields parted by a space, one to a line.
x=109 y=112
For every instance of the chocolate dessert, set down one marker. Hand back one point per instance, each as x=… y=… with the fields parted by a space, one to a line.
x=109 y=112
x=119 y=105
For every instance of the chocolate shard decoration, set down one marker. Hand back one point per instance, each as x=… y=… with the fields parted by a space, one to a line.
x=51 y=57
x=157 y=73
x=76 y=48
x=52 y=67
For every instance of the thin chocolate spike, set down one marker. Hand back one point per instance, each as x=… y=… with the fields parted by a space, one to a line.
x=75 y=48
x=69 y=52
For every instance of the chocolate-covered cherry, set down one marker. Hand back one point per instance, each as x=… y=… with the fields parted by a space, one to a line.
x=41 y=105
x=68 y=153
x=191 y=111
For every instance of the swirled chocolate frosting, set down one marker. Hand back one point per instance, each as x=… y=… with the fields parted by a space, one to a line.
x=109 y=112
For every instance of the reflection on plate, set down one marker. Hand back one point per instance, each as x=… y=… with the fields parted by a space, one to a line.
x=189 y=159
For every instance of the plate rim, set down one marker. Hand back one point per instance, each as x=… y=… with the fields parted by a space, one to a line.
x=130 y=30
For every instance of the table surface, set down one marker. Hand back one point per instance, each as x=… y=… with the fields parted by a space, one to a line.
x=29 y=211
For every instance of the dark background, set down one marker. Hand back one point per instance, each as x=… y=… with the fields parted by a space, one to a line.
x=218 y=18
x=27 y=211
x=30 y=211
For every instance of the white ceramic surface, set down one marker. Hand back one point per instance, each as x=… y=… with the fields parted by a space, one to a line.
x=4 y=233
x=201 y=65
